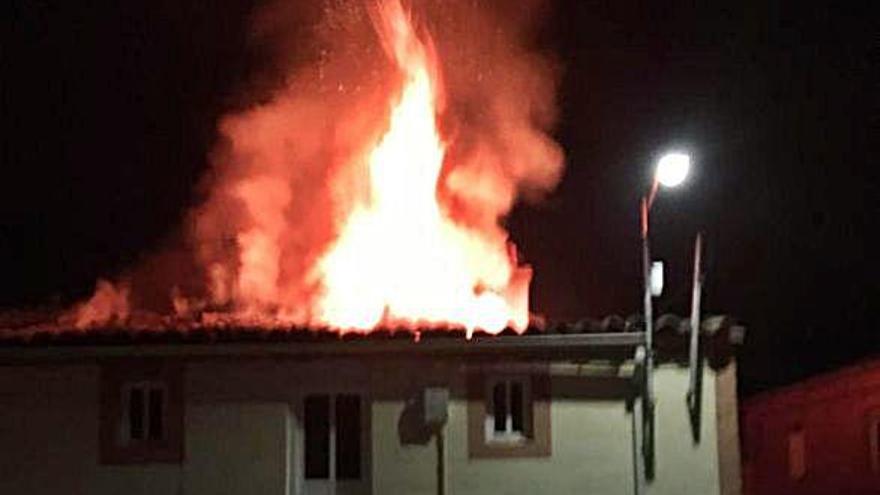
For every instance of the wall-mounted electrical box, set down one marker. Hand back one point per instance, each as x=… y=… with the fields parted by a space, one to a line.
x=436 y=401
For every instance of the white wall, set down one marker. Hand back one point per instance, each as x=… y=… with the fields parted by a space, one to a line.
x=591 y=454
x=591 y=447
x=237 y=448
x=682 y=466
x=49 y=438
x=239 y=424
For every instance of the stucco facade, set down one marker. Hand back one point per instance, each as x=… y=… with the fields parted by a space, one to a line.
x=242 y=431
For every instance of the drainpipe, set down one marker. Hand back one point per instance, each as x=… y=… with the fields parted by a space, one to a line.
x=638 y=418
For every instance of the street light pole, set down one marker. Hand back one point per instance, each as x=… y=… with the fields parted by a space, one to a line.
x=648 y=417
x=647 y=201
x=672 y=169
x=646 y=293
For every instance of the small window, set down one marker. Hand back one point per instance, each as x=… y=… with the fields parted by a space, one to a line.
x=141 y=417
x=145 y=410
x=508 y=411
x=332 y=434
x=797 y=462
x=508 y=415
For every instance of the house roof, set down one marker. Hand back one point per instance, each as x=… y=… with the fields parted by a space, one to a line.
x=858 y=379
x=614 y=337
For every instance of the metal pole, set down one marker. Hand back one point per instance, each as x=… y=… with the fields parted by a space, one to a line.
x=638 y=424
x=440 y=439
x=646 y=282
x=695 y=316
x=638 y=447
x=648 y=446
x=694 y=394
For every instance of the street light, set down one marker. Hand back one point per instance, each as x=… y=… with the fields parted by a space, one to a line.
x=672 y=169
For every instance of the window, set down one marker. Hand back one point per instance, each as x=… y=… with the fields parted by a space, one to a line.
x=508 y=415
x=332 y=437
x=141 y=412
x=797 y=465
x=509 y=410
x=874 y=440
x=145 y=410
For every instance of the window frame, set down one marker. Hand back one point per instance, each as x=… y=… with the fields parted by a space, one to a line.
x=509 y=435
x=147 y=386
x=535 y=440
x=118 y=378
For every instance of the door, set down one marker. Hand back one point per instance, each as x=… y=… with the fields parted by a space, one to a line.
x=334 y=439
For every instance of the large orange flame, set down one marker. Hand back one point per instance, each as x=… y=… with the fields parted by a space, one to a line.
x=340 y=201
x=400 y=258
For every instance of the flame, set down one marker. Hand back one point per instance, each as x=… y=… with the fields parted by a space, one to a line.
x=108 y=303
x=340 y=199
x=400 y=258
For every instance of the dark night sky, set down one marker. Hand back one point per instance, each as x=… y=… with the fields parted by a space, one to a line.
x=110 y=111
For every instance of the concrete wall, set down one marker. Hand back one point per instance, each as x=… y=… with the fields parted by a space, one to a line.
x=237 y=448
x=591 y=454
x=49 y=438
x=591 y=445
x=682 y=465
x=241 y=423
x=49 y=442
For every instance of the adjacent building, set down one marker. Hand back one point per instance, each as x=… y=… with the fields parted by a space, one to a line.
x=820 y=436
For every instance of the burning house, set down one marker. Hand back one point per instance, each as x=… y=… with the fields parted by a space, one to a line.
x=351 y=316
x=299 y=411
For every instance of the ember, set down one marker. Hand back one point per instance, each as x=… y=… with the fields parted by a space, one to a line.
x=359 y=198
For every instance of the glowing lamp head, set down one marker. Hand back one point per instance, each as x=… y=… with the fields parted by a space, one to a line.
x=672 y=169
